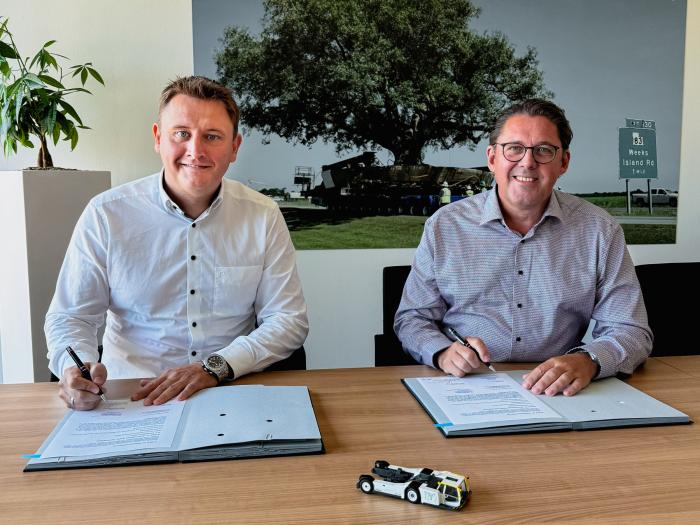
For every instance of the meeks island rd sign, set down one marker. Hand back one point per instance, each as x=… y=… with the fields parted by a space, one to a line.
x=638 y=150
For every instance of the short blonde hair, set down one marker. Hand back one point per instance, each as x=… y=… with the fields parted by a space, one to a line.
x=203 y=88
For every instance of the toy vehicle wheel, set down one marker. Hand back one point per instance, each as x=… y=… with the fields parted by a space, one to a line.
x=366 y=484
x=412 y=495
x=380 y=463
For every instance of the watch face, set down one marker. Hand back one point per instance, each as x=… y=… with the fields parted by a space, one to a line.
x=215 y=361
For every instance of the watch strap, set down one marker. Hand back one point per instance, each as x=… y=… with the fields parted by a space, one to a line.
x=211 y=373
x=592 y=356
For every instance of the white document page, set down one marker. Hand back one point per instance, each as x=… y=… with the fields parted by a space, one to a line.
x=483 y=398
x=116 y=427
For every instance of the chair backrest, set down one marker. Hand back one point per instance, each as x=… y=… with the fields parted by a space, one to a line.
x=393 y=281
x=387 y=347
x=296 y=361
x=668 y=289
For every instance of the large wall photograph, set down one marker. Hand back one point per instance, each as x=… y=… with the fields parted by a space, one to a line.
x=359 y=115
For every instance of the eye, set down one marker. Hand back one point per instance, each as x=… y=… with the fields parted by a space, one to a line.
x=514 y=149
x=181 y=134
x=213 y=137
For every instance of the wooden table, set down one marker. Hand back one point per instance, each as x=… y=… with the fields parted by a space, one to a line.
x=633 y=475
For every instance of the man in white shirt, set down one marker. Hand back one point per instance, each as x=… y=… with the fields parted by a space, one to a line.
x=184 y=263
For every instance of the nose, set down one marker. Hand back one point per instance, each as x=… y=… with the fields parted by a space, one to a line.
x=528 y=161
x=195 y=147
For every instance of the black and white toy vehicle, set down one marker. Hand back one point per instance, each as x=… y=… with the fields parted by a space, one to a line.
x=439 y=488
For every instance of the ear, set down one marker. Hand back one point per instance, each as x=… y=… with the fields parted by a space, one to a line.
x=156 y=137
x=565 y=158
x=491 y=156
x=236 y=145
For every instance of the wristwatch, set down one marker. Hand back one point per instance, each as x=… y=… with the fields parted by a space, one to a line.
x=217 y=367
x=590 y=354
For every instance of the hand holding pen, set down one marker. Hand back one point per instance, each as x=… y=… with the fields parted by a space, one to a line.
x=454 y=335
x=70 y=387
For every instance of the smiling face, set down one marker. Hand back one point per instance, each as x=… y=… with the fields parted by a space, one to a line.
x=524 y=187
x=196 y=142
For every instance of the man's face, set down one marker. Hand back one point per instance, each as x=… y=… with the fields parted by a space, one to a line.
x=196 y=144
x=526 y=186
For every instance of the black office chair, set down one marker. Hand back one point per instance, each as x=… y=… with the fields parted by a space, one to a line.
x=668 y=288
x=296 y=361
x=387 y=347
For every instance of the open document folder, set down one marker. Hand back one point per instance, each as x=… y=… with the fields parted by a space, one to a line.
x=482 y=404
x=226 y=422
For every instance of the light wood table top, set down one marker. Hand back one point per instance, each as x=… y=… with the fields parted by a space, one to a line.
x=633 y=475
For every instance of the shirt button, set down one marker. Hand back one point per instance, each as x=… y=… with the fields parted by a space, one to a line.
x=194 y=324
x=193 y=257
x=520 y=272
x=517 y=339
x=194 y=352
x=194 y=224
x=192 y=292
x=520 y=305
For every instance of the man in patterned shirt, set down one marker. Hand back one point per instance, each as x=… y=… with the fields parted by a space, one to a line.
x=521 y=270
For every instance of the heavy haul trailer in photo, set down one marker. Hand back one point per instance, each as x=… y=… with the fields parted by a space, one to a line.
x=360 y=186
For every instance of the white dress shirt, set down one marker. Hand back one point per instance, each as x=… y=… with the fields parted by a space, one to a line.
x=176 y=289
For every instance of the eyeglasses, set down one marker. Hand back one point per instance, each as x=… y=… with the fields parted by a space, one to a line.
x=542 y=153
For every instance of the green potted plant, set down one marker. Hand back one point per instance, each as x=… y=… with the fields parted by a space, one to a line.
x=33 y=97
x=40 y=206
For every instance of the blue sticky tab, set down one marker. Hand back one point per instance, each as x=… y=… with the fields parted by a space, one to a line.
x=440 y=425
x=30 y=456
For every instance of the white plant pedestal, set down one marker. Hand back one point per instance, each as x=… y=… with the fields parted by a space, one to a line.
x=38 y=212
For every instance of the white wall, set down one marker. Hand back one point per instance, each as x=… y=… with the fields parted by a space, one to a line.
x=138 y=46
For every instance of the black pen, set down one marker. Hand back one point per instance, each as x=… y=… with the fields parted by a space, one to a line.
x=461 y=340
x=83 y=370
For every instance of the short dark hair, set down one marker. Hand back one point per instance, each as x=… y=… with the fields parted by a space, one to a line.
x=536 y=107
x=205 y=89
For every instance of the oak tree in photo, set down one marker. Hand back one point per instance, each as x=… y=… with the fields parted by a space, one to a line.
x=394 y=74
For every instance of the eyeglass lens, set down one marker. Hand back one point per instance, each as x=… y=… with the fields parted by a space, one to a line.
x=543 y=153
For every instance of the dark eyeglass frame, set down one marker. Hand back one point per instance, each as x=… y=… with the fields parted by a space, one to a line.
x=525 y=148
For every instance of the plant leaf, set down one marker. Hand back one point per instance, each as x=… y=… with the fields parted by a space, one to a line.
x=96 y=75
x=49 y=80
x=35 y=81
x=70 y=110
x=73 y=138
x=8 y=51
x=83 y=76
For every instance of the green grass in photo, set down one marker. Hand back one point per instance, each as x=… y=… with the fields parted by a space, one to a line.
x=400 y=231
x=649 y=233
x=617 y=205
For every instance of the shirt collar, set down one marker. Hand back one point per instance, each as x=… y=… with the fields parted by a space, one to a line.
x=492 y=210
x=171 y=206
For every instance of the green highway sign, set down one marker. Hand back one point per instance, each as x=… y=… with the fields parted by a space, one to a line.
x=637 y=147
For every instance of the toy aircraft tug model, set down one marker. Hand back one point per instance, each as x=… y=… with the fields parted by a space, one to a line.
x=417 y=485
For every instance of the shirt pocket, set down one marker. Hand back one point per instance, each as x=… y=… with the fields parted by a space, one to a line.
x=235 y=288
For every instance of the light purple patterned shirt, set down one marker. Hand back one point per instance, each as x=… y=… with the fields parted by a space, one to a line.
x=527 y=297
